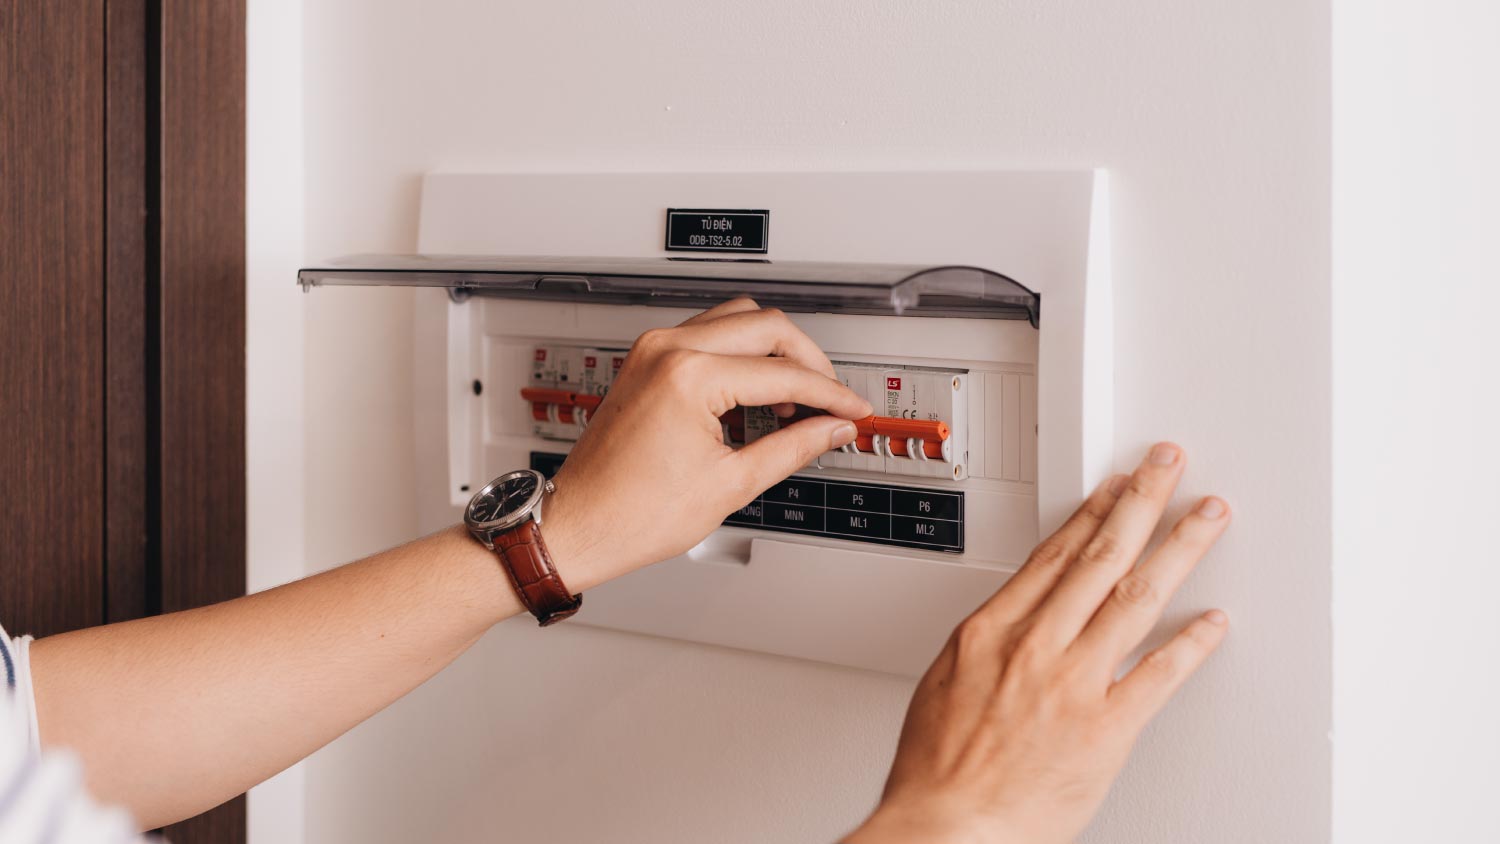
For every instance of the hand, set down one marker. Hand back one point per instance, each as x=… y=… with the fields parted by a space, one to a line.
x=651 y=477
x=1017 y=731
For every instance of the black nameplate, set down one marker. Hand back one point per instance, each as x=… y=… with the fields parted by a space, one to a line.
x=889 y=515
x=712 y=230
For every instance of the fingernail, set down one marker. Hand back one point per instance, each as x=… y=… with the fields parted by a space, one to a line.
x=843 y=435
x=1117 y=485
x=1217 y=617
x=1211 y=508
x=1164 y=454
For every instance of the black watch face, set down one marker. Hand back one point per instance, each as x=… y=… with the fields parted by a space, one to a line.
x=503 y=499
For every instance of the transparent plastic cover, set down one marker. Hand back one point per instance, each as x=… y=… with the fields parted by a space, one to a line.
x=802 y=286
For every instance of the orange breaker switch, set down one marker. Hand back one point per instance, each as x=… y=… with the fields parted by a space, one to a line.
x=930 y=450
x=919 y=429
x=549 y=405
x=895 y=433
x=545 y=396
x=584 y=405
x=559 y=405
x=891 y=431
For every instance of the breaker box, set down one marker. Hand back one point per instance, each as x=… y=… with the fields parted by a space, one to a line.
x=971 y=309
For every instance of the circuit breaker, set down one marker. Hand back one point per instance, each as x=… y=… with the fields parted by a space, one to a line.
x=566 y=386
x=979 y=345
x=920 y=432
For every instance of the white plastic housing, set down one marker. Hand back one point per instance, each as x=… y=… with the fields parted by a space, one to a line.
x=863 y=605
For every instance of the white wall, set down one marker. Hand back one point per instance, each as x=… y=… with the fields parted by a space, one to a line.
x=1214 y=119
x=275 y=313
x=1417 y=420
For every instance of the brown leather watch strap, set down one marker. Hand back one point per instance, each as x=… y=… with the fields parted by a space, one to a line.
x=535 y=578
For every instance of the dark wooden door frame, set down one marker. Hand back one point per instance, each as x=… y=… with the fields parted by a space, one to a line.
x=198 y=435
x=131 y=171
x=51 y=302
x=122 y=316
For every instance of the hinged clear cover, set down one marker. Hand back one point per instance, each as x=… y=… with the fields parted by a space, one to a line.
x=801 y=286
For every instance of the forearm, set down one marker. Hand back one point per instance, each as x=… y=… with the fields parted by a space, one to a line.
x=177 y=713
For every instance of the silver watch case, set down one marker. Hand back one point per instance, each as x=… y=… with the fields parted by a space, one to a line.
x=531 y=509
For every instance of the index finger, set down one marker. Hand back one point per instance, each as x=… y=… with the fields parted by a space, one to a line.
x=733 y=306
x=754 y=382
x=753 y=333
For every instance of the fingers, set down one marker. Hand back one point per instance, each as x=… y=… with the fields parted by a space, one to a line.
x=1113 y=550
x=733 y=306
x=1021 y=594
x=1151 y=683
x=1138 y=599
x=752 y=333
x=748 y=382
x=773 y=457
x=741 y=327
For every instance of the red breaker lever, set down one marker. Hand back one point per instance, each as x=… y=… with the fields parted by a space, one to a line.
x=545 y=396
x=895 y=432
x=542 y=399
x=921 y=429
x=565 y=401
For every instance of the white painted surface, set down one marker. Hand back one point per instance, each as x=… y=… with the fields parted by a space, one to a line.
x=1416 y=421
x=274 y=354
x=1214 y=122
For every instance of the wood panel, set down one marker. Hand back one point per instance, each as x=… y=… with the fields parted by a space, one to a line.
x=51 y=315
x=202 y=312
x=129 y=275
x=122 y=335
x=202 y=303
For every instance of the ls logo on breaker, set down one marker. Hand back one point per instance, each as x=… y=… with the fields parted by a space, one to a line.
x=540 y=355
x=591 y=362
x=893 y=383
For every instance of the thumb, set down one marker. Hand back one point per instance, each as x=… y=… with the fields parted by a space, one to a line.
x=773 y=457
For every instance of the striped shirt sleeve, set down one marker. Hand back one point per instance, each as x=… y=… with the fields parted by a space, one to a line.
x=42 y=797
x=16 y=654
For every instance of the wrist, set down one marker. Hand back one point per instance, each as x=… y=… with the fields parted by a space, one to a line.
x=899 y=825
x=480 y=582
x=574 y=548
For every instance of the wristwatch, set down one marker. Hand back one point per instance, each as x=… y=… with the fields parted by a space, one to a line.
x=506 y=516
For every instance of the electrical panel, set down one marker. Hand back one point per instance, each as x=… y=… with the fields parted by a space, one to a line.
x=970 y=309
